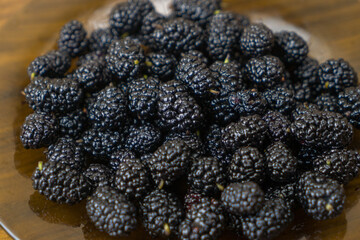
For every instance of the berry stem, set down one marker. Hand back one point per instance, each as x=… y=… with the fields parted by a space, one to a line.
x=40 y=165
x=220 y=187
x=161 y=184
x=167 y=229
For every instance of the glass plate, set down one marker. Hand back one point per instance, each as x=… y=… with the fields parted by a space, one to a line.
x=332 y=28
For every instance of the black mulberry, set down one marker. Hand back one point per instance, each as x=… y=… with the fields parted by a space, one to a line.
x=281 y=163
x=242 y=198
x=322 y=129
x=169 y=162
x=290 y=47
x=161 y=213
x=131 y=179
x=247 y=164
x=72 y=38
x=111 y=212
x=38 y=130
x=60 y=182
x=335 y=75
x=250 y=130
x=58 y=95
x=206 y=176
x=256 y=40
x=321 y=198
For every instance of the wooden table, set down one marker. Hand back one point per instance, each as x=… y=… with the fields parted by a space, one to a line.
x=334 y=22
x=4 y=235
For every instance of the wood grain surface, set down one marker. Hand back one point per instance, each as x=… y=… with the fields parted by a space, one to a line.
x=4 y=235
x=29 y=27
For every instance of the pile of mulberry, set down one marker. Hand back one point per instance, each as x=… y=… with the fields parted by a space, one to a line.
x=189 y=124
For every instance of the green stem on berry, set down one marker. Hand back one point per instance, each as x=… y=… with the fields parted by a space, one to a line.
x=220 y=187
x=329 y=207
x=167 y=229
x=161 y=184
x=214 y=91
x=40 y=165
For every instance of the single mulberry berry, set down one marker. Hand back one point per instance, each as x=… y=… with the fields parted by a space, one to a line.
x=38 y=130
x=125 y=18
x=102 y=142
x=177 y=35
x=161 y=65
x=72 y=38
x=270 y=221
x=60 y=182
x=256 y=40
x=204 y=220
x=229 y=75
x=307 y=72
x=281 y=163
x=336 y=75
x=278 y=126
x=206 y=176
x=110 y=108
x=143 y=139
x=265 y=71
x=169 y=162
x=125 y=59
x=321 y=198
x=67 y=151
x=340 y=165
x=143 y=95
x=196 y=10
x=222 y=34
x=242 y=198
x=290 y=47
x=247 y=164
x=177 y=110
x=161 y=213
x=131 y=179
x=58 y=95
x=111 y=212
x=322 y=129
x=195 y=75
x=52 y=64
x=250 y=130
